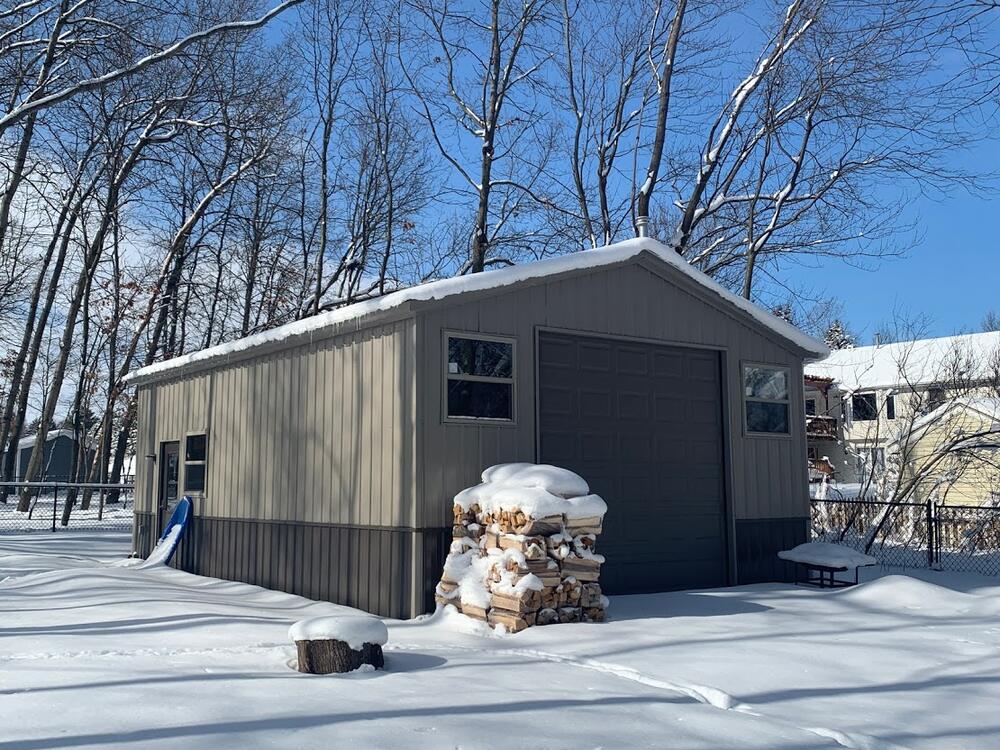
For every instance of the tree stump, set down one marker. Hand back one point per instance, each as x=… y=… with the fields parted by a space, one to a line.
x=333 y=656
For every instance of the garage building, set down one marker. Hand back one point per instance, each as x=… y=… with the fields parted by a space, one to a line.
x=323 y=455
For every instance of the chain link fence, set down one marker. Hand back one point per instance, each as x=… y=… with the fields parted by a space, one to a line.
x=913 y=535
x=52 y=506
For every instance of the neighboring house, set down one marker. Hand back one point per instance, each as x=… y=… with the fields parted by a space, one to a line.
x=823 y=429
x=57 y=458
x=323 y=455
x=876 y=392
x=954 y=453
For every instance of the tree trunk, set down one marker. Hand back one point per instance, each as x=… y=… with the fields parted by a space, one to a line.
x=329 y=656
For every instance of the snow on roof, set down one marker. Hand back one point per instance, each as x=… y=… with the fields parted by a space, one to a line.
x=437 y=290
x=986 y=406
x=51 y=435
x=920 y=362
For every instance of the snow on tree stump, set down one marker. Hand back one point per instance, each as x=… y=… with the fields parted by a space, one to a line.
x=338 y=644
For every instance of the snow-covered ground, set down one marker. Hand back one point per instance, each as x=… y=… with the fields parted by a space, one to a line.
x=103 y=657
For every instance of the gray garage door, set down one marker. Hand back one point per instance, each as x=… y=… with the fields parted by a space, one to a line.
x=642 y=423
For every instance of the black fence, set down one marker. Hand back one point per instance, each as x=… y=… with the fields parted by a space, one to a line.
x=964 y=538
x=54 y=506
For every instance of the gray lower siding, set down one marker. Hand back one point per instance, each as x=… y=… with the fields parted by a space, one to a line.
x=369 y=567
x=363 y=567
x=758 y=542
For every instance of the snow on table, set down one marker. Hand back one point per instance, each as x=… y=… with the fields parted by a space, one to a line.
x=98 y=657
x=827 y=555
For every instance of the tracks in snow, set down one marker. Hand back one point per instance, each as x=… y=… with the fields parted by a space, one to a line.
x=700 y=693
x=705 y=694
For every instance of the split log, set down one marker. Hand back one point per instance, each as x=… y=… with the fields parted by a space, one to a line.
x=590 y=595
x=332 y=656
x=589 y=525
x=523 y=544
x=474 y=611
x=515 y=622
x=546 y=616
x=540 y=526
x=593 y=614
x=581 y=568
x=527 y=601
x=569 y=614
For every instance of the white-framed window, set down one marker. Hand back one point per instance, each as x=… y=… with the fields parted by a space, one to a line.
x=195 y=462
x=810 y=407
x=479 y=378
x=765 y=399
x=864 y=407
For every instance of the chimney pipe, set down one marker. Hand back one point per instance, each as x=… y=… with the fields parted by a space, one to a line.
x=641 y=226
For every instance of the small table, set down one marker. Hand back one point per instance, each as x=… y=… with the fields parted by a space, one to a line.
x=821 y=561
x=824 y=575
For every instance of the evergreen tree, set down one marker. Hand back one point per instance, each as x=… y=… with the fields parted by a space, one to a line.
x=838 y=336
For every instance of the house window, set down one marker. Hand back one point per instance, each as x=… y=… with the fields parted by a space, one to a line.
x=810 y=407
x=890 y=407
x=479 y=382
x=765 y=391
x=864 y=407
x=195 y=455
x=935 y=397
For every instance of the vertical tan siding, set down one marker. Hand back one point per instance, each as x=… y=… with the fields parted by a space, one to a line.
x=314 y=434
x=768 y=474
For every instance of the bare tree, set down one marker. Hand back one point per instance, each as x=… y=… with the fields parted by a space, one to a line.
x=488 y=101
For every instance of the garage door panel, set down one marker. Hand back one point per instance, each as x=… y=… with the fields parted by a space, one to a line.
x=560 y=448
x=655 y=455
x=633 y=406
x=558 y=353
x=632 y=360
x=597 y=447
x=558 y=402
x=703 y=411
x=595 y=403
x=594 y=356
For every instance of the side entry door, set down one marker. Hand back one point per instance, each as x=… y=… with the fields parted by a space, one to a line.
x=169 y=482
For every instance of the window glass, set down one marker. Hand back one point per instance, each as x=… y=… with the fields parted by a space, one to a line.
x=491 y=359
x=195 y=446
x=764 y=416
x=890 y=407
x=935 y=397
x=195 y=455
x=194 y=477
x=810 y=407
x=767 y=402
x=477 y=399
x=863 y=407
x=479 y=379
x=766 y=382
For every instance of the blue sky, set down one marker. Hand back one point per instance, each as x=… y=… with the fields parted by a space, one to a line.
x=951 y=276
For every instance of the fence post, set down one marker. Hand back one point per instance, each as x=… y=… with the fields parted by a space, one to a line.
x=55 y=502
x=930 y=533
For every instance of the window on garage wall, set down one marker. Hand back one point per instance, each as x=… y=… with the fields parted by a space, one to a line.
x=479 y=378
x=766 y=400
x=195 y=462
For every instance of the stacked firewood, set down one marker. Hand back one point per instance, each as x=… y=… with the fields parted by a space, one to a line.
x=523 y=549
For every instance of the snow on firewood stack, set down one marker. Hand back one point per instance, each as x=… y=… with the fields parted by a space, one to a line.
x=524 y=549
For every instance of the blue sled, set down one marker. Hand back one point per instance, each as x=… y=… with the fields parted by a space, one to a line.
x=166 y=546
